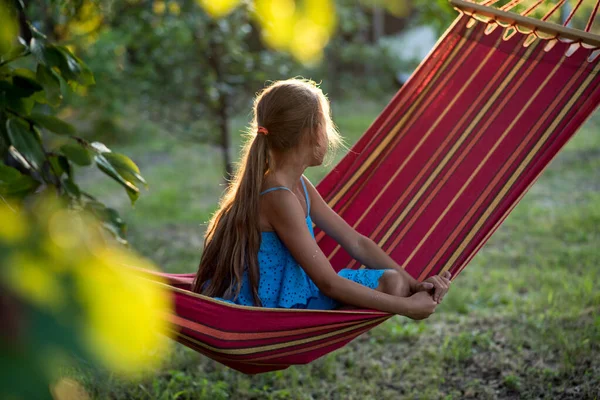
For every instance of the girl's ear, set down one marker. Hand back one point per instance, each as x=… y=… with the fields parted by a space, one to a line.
x=307 y=138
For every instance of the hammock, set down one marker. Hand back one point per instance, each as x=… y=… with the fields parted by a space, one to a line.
x=431 y=179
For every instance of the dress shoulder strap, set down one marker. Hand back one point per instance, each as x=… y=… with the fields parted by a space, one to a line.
x=305 y=195
x=274 y=188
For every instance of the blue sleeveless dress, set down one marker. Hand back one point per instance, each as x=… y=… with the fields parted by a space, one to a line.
x=284 y=284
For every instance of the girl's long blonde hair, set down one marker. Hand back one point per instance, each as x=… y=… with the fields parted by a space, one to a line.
x=287 y=109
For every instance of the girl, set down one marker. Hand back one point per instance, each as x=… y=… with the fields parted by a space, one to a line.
x=260 y=247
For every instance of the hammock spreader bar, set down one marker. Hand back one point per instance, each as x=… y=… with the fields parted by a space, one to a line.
x=548 y=29
x=430 y=181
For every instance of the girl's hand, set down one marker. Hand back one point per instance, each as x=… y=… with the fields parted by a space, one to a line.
x=439 y=283
x=420 y=306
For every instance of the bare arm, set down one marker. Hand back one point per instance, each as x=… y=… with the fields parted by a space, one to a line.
x=286 y=216
x=358 y=246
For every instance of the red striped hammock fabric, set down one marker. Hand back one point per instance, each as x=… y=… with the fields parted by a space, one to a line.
x=430 y=181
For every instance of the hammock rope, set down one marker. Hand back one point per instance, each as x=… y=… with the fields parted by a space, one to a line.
x=430 y=181
x=592 y=17
x=512 y=4
x=572 y=13
x=553 y=10
x=532 y=8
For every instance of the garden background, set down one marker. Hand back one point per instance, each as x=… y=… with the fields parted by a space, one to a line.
x=168 y=86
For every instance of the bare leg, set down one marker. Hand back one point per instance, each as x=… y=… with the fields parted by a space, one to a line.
x=391 y=282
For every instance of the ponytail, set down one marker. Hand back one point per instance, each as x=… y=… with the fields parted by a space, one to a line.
x=233 y=237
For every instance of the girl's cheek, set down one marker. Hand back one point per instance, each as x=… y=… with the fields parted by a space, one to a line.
x=322 y=151
x=323 y=142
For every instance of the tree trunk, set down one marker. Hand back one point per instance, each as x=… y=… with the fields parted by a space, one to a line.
x=378 y=23
x=225 y=141
x=223 y=104
x=333 y=70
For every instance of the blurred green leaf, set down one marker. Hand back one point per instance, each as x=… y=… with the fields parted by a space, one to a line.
x=125 y=167
x=70 y=67
x=77 y=153
x=16 y=98
x=51 y=85
x=26 y=82
x=45 y=54
x=8 y=174
x=84 y=75
x=21 y=105
x=71 y=188
x=8 y=28
x=16 y=51
x=15 y=184
x=110 y=218
x=105 y=166
x=19 y=188
x=26 y=141
x=53 y=124
x=115 y=224
x=60 y=164
x=64 y=86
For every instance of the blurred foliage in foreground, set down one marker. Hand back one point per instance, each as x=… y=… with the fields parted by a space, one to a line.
x=38 y=151
x=67 y=293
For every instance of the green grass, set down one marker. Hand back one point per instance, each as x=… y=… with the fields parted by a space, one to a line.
x=522 y=321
